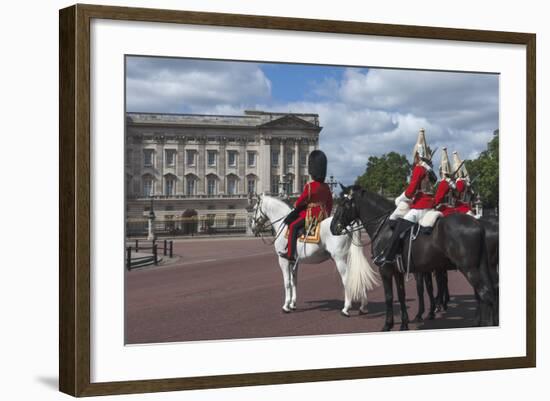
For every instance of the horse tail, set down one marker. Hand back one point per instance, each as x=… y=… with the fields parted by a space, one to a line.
x=485 y=270
x=361 y=276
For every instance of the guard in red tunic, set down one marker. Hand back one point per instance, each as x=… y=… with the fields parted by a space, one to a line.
x=464 y=193
x=313 y=205
x=443 y=200
x=412 y=204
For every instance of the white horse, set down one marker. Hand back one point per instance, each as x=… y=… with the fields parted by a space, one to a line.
x=356 y=272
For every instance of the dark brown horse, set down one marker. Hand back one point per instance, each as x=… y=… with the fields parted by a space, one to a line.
x=456 y=242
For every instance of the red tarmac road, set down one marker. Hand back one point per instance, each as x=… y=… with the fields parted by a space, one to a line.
x=233 y=288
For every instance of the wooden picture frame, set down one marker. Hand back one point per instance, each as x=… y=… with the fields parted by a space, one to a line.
x=75 y=209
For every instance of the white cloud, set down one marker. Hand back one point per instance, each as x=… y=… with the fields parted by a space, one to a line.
x=170 y=85
x=367 y=112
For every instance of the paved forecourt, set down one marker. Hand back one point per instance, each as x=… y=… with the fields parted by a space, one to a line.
x=227 y=288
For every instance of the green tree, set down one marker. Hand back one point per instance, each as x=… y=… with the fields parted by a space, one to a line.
x=484 y=173
x=386 y=174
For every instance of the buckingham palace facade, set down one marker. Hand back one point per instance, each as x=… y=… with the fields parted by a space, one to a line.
x=207 y=165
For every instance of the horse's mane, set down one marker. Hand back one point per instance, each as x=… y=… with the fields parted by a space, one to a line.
x=272 y=201
x=375 y=199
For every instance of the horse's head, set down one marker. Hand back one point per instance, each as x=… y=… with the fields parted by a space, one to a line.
x=258 y=217
x=346 y=212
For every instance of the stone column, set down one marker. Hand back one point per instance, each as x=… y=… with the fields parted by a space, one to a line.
x=180 y=168
x=158 y=166
x=297 y=180
x=201 y=167
x=282 y=167
x=264 y=164
x=221 y=165
x=241 y=167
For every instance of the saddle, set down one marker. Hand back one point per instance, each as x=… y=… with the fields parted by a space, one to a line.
x=313 y=238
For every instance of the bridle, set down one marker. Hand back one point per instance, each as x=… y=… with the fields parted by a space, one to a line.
x=260 y=219
x=357 y=224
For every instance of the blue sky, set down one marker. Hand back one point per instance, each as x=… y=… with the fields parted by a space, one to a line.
x=363 y=111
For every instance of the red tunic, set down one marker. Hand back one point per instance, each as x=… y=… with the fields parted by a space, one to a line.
x=316 y=197
x=461 y=188
x=420 y=200
x=442 y=190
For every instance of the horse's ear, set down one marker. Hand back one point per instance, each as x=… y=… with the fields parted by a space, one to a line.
x=344 y=189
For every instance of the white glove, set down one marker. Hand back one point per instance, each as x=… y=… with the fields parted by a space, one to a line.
x=401 y=198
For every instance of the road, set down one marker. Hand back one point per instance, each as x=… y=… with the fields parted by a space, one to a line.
x=233 y=288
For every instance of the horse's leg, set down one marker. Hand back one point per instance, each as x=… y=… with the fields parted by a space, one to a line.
x=479 y=280
x=294 y=279
x=342 y=266
x=285 y=269
x=387 y=274
x=430 y=290
x=446 y=294
x=363 y=308
x=400 y=283
x=419 y=278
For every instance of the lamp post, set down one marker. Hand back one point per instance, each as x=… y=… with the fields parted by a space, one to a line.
x=478 y=204
x=151 y=218
x=283 y=184
x=332 y=184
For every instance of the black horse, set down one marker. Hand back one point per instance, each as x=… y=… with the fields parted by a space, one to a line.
x=457 y=241
x=490 y=224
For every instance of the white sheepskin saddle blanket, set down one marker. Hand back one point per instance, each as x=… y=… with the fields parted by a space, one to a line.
x=430 y=218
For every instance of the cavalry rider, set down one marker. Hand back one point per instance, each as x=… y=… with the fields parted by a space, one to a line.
x=412 y=204
x=313 y=205
x=443 y=200
x=463 y=190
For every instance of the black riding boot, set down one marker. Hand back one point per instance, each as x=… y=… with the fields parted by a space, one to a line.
x=388 y=256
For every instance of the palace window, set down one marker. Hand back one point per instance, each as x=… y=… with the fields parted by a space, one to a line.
x=274 y=157
x=231 y=185
x=232 y=158
x=211 y=186
x=290 y=158
x=190 y=188
x=170 y=156
x=251 y=186
x=147 y=185
x=303 y=181
x=169 y=185
x=251 y=159
x=230 y=219
x=211 y=158
x=274 y=184
x=148 y=157
x=190 y=156
x=128 y=161
x=303 y=158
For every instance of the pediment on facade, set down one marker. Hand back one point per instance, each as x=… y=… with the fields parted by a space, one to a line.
x=289 y=122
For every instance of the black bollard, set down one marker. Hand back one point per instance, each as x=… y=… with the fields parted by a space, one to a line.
x=171 y=248
x=155 y=254
x=164 y=248
x=128 y=258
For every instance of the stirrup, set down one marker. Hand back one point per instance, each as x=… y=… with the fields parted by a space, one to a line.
x=285 y=256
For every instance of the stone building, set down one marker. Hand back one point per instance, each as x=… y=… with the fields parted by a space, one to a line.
x=206 y=165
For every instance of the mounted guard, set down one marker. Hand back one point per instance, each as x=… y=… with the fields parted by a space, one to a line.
x=444 y=201
x=313 y=206
x=463 y=191
x=415 y=202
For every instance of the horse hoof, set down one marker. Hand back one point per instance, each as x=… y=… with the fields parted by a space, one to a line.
x=285 y=310
x=418 y=319
x=431 y=316
x=363 y=312
x=404 y=327
x=344 y=313
x=293 y=307
x=386 y=327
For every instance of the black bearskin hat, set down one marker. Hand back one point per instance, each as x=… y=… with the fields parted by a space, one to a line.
x=317 y=165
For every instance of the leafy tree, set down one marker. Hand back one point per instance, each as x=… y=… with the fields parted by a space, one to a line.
x=484 y=172
x=386 y=174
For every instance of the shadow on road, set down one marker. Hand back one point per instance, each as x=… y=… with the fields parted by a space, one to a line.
x=460 y=313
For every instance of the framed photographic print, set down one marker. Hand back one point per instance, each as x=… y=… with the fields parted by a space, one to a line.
x=245 y=199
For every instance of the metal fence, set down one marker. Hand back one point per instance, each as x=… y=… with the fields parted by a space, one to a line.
x=188 y=226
